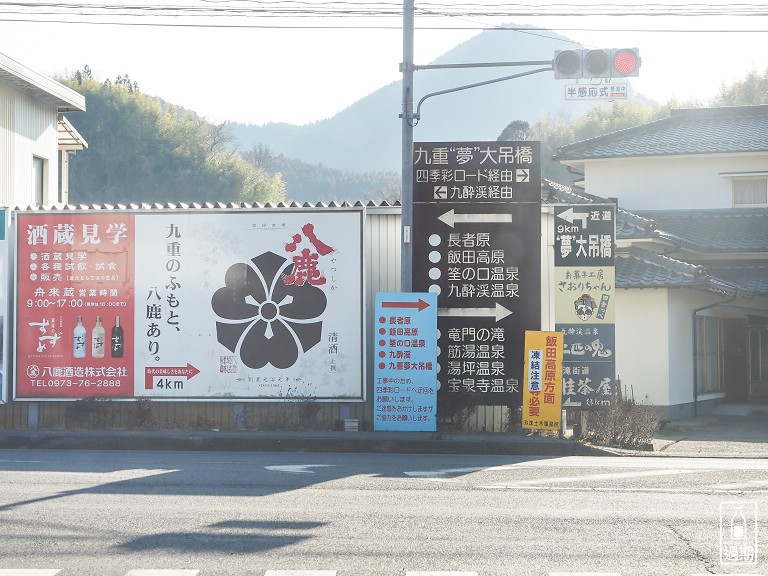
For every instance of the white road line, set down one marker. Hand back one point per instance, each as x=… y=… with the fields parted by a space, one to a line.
x=593 y=477
x=446 y=573
x=297 y=468
x=646 y=462
x=32 y=572
x=584 y=574
x=742 y=485
x=446 y=471
x=300 y=573
x=162 y=573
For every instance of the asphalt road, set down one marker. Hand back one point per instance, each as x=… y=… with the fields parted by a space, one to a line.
x=202 y=513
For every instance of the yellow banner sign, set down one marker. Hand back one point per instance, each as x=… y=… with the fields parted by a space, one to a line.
x=543 y=389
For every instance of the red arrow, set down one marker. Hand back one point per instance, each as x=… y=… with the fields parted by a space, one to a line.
x=189 y=371
x=420 y=305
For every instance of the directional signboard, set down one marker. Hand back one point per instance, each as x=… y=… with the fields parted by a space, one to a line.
x=476 y=244
x=405 y=367
x=585 y=302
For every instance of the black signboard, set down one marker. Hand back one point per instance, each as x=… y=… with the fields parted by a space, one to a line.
x=584 y=235
x=477 y=244
x=585 y=302
x=589 y=365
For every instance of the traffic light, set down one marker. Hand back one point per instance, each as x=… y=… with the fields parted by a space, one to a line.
x=599 y=63
x=625 y=62
x=567 y=64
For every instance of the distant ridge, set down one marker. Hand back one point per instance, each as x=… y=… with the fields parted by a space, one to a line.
x=366 y=136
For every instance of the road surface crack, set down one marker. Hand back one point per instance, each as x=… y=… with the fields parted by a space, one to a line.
x=708 y=565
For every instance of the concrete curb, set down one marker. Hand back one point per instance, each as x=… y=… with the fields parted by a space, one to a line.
x=349 y=442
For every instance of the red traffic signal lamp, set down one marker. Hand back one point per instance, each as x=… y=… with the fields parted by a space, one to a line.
x=625 y=62
x=599 y=63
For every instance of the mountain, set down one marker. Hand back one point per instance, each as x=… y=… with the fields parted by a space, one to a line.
x=367 y=135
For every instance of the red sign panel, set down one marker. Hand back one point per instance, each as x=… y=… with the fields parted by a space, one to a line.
x=74 y=305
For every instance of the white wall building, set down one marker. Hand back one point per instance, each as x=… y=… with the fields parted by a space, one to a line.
x=31 y=131
x=692 y=253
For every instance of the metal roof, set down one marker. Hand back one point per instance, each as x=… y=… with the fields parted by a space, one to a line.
x=205 y=206
x=69 y=137
x=40 y=87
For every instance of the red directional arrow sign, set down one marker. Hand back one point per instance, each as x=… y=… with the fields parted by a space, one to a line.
x=187 y=372
x=420 y=305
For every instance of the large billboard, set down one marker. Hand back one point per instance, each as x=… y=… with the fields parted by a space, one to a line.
x=190 y=304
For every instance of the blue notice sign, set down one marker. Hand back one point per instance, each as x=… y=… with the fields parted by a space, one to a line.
x=405 y=365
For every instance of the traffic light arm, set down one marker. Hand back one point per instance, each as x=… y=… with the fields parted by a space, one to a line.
x=482 y=65
x=417 y=115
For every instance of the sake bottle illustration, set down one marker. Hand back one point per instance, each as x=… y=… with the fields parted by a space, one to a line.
x=116 y=340
x=97 y=339
x=738 y=525
x=78 y=335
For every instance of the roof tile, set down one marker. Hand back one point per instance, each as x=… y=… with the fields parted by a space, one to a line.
x=687 y=131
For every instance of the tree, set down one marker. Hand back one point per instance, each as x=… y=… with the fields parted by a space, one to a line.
x=516 y=130
x=554 y=132
x=142 y=149
x=750 y=91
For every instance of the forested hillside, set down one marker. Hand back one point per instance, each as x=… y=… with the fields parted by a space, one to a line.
x=141 y=149
x=315 y=183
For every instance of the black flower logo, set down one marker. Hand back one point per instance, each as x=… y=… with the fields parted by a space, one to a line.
x=262 y=319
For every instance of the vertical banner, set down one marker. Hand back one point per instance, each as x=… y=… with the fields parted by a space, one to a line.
x=585 y=282
x=542 y=391
x=477 y=245
x=405 y=366
x=246 y=304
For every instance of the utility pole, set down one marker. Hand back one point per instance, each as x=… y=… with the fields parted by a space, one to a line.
x=409 y=119
x=406 y=194
x=615 y=63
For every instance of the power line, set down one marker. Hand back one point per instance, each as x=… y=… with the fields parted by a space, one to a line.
x=478 y=28
x=338 y=9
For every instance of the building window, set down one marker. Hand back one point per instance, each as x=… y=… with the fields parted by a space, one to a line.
x=750 y=192
x=709 y=355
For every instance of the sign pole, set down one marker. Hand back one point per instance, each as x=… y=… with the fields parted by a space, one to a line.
x=406 y=201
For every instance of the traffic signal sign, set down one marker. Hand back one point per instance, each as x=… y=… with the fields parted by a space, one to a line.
x=599 y=63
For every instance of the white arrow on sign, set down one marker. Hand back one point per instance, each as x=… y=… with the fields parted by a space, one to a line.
x=569 y=402
x=297 y=468
x=451 y=218
x=497 y=311
x=571 y=216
